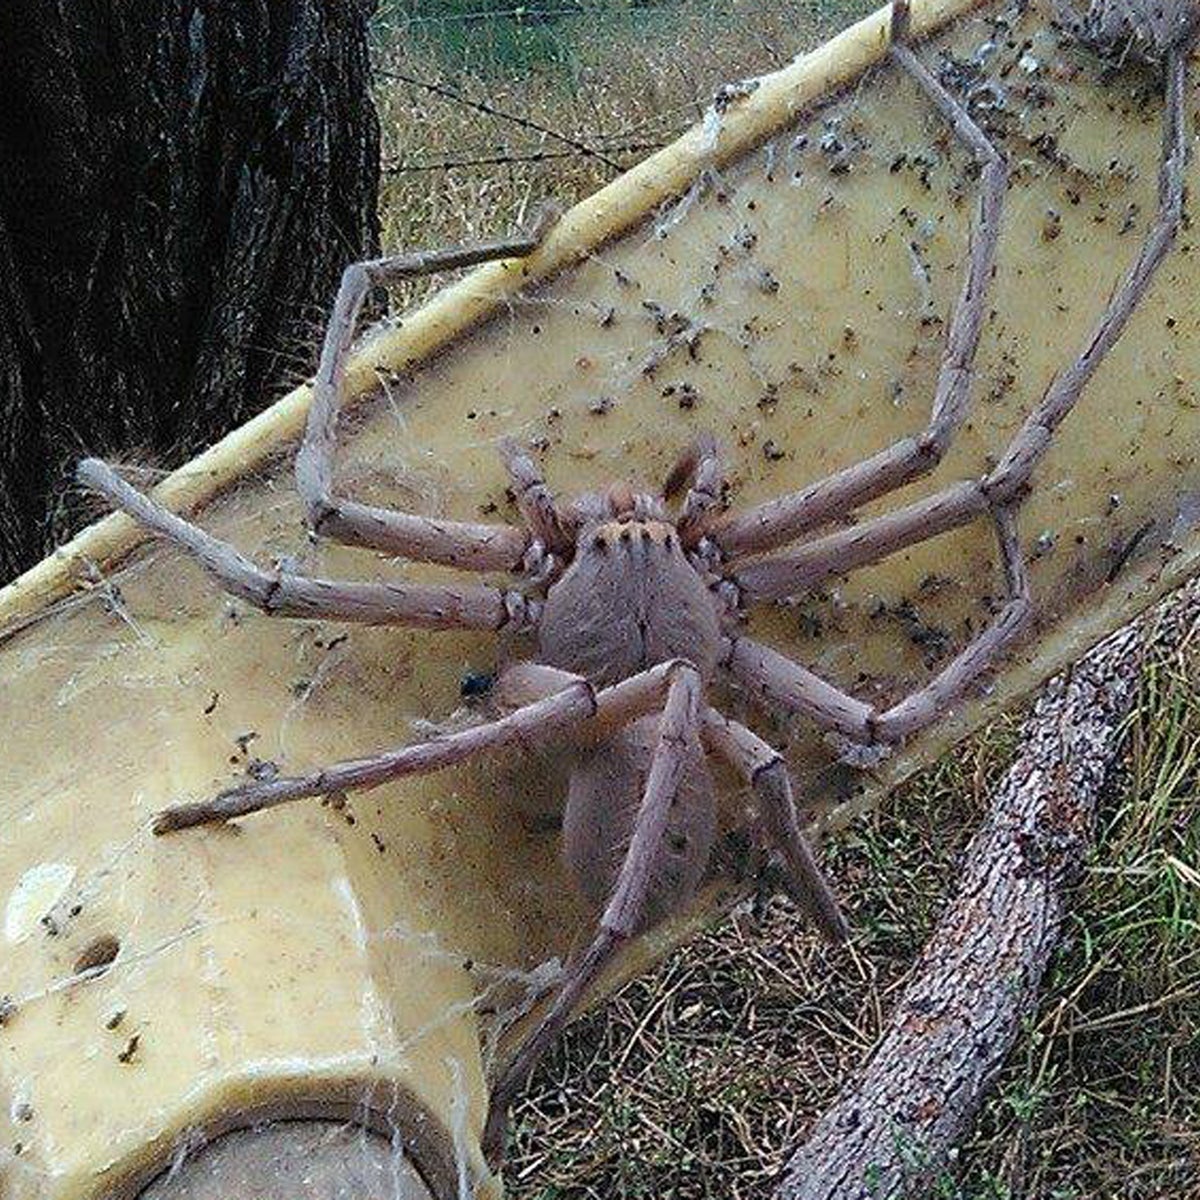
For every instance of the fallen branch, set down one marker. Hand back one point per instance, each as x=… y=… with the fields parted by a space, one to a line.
x=978 y=978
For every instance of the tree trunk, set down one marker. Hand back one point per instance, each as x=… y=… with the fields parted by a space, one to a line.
x=183 y=182
x=891 y=1131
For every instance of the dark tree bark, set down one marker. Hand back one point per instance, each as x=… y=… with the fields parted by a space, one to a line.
x=181 y=184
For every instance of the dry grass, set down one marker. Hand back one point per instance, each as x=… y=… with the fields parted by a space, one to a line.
x=696 y=1079
x=619 y=97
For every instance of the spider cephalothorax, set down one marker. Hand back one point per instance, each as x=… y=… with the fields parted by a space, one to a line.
x=629 y=599
x=635 y=600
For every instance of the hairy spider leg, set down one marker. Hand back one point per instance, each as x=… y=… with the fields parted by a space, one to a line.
x=758 y=764
x=788 y=574
x=575 y=701
x=765 y=771
x=536 y=505
x=559 y=702
x=623 y=913
x=1027 y=448
x=796 y=571
x=700 y=467
x=282 y=594
x=785 y=518
x=777 y=679
x=471 y=546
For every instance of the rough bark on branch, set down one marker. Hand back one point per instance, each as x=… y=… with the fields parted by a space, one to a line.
x=891 y=1130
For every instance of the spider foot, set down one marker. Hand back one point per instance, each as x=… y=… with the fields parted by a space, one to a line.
x=729 y=596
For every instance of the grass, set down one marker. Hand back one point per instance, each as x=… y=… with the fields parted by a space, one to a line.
x=696 y=1080
x=494 y=38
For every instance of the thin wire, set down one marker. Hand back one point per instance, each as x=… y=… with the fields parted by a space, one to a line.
x=399 y=167
x=449 y=93
x=536 y=15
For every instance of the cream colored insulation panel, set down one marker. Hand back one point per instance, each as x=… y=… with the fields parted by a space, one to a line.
x=360 y=955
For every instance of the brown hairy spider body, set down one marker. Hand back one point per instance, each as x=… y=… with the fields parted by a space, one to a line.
x=605 y=791
x=629 y=600
x=637 y=607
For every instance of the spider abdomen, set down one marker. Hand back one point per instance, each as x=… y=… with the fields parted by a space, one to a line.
x=629 y=600
x=606 y=789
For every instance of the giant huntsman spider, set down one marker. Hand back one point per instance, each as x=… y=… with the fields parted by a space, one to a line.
x=635 y=606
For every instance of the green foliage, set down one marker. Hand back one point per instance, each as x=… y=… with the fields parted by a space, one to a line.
x=509 y=38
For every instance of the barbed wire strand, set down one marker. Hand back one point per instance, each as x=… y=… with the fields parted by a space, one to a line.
x=449 y=93
x=399 y=167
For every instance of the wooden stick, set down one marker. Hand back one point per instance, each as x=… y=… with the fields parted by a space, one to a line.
x=977 y=980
